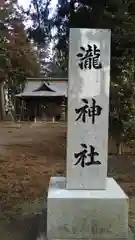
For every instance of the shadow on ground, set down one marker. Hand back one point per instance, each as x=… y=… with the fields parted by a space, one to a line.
x=25 y=225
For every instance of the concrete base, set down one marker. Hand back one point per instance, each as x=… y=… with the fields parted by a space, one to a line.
x=130 y=237
x=86 y=214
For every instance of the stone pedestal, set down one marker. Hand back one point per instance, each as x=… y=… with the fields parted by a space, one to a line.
x=87 y=205
x=86 y=214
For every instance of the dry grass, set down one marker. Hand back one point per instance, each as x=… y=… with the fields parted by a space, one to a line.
x=30 y=153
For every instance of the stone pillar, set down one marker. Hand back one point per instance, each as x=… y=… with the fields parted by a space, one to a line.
x=87 y=204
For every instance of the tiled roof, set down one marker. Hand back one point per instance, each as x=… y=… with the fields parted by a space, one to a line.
x=49 y=88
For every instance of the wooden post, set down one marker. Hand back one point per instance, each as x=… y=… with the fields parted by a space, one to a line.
x=35 y=110
x=63 y=110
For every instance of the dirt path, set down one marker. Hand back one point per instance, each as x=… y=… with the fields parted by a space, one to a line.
x=29 y=155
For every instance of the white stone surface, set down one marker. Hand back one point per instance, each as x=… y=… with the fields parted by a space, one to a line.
x=130 y=237
x=86 y=214
x=88 y=84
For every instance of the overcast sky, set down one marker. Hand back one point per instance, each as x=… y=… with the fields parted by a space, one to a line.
x=25 y=3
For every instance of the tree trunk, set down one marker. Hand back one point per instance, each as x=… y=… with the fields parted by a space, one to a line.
x=2 y=107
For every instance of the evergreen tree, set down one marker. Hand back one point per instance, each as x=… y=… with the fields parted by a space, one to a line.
x=17 y=60
x=119 y=16
x=40 y=30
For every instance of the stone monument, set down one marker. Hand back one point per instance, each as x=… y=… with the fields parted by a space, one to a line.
x=87 y=204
